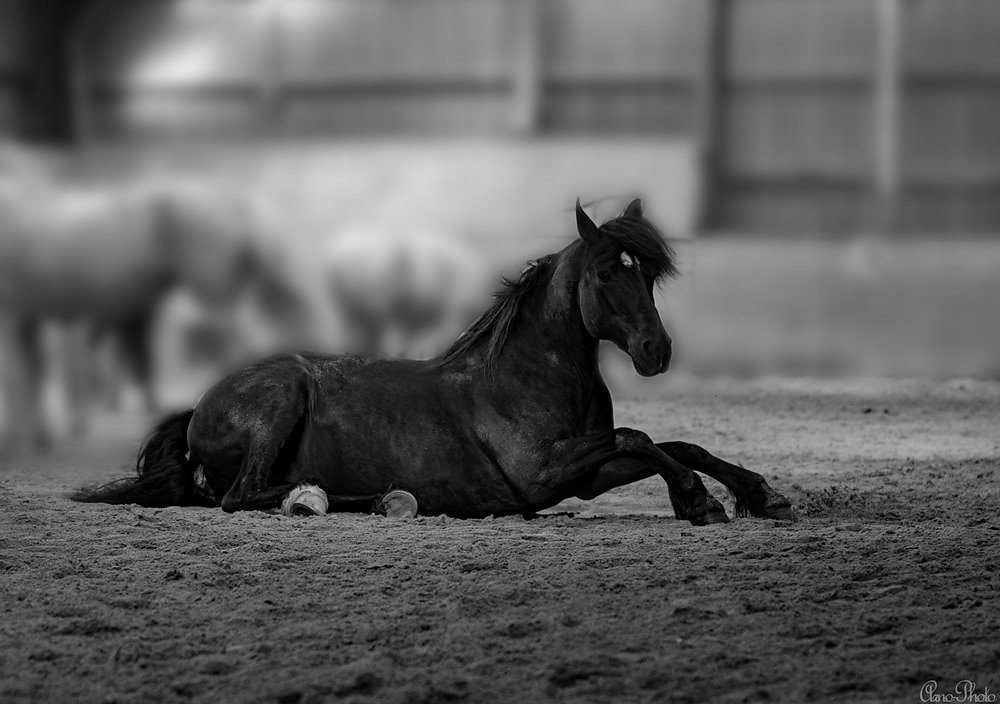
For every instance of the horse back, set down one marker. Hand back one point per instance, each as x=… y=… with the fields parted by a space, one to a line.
x=92 y=253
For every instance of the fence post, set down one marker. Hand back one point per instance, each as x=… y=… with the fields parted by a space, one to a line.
x=526 y=92
x=81 y=90
x=887 y=115
x=270 y=84
x=711 y=112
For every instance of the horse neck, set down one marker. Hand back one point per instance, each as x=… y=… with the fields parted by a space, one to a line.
x=548 y=334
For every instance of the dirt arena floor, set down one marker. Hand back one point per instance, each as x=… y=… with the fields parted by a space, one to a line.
x=888 y=580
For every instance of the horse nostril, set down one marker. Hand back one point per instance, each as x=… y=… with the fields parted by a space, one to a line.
x=651 y=348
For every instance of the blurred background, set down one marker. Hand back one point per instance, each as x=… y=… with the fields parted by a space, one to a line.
x=188 y=184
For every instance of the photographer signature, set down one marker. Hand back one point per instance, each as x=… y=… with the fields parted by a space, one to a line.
x=965 y=691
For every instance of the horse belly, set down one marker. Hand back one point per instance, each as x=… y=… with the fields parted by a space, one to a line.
x=444 y=470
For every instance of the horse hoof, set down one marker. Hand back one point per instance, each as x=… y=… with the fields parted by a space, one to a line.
x=709 y=518
x=765 y=502
x=399 y=504
x=780 y=512
x=305 y=500
x=716 y=517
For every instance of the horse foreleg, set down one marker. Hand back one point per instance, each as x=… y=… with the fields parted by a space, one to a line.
x=753 y=495
x=688 y=497
x=628 y=456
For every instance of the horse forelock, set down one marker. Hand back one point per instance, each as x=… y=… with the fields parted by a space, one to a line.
x=644 y=241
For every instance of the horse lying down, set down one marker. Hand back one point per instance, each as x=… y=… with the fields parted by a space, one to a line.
x=514 y=418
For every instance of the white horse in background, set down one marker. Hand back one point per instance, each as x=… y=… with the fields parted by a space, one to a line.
x=105 y=259
x=404 y=292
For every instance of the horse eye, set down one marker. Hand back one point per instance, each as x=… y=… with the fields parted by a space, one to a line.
x=604 y=276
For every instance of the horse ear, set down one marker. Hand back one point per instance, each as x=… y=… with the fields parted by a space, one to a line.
x=585 y=226
x=633 y=209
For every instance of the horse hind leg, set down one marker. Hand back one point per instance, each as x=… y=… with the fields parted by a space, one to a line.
x=251 y=491
x=260 y=500
x=263 y=480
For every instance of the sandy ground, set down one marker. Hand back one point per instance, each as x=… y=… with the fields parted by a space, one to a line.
x=888 y=580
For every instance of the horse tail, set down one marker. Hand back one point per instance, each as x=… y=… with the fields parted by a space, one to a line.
x=164 y=471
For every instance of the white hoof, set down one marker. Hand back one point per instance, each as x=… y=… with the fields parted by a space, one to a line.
x=400 y=504
x=305 y=500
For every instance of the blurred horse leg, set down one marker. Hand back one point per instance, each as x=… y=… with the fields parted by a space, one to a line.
x=22 y=360
x=82 y=359
x=137 y=354
x=39 y=433
x=114 y=356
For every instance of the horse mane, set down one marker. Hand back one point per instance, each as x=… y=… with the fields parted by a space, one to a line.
x=635 y=235
x=494 y=326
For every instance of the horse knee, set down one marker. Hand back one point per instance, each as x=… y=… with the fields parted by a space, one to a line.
x=629 y=440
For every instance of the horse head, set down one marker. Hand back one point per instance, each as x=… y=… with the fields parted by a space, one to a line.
x=208 y=240
x=223 y=249
x=623 y=260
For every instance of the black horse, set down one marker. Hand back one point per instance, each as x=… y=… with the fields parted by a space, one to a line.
x=514 y=418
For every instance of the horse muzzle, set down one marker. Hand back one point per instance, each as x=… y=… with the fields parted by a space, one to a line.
x=651 y=354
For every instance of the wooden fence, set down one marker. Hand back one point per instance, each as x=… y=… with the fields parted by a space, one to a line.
x=12 y=69
x=851 y=115
x=384 y=66
x=950 y=128
x=814 y=115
